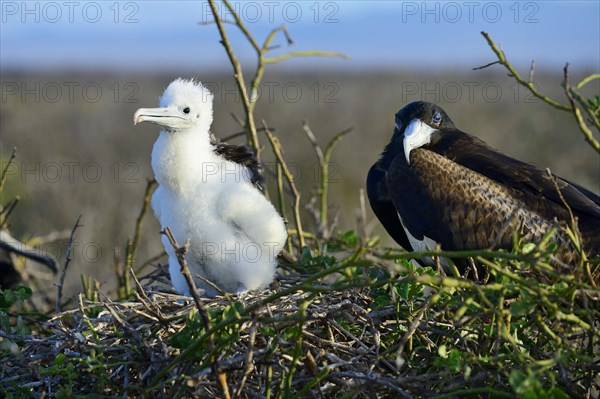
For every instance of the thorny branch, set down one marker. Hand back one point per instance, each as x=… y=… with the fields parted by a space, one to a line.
x=502 y=60
x=570 y=92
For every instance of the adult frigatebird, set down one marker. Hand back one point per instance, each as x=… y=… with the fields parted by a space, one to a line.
x=436 y=185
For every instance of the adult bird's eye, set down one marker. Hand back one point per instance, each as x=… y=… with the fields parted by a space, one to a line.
x=437 y=118
x=186 y=110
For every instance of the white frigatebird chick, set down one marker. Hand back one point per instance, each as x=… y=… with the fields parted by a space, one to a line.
x=436 y=185
x=209 y=193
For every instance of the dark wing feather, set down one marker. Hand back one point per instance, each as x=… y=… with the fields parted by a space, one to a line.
x=421 y=211
x=383 y=207
x=532 y=182
x=464 y=210
x=476 y=155
x=243 y=155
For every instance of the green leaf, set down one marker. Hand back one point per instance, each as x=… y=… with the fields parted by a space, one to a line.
x=268 y=331
x=380 y=298
x=349 y=238
x=7 y=298
x=442 y=351
x=233 y=311
x=557 y=393
x=409 y=290
x=521 y=308
x=453 y=360
x=526 y=385
x=528 y=247
x=291 y=333
x=182 y=339
x=561 y=288
x=60 y=359
x=23 y=293
x=306 y=256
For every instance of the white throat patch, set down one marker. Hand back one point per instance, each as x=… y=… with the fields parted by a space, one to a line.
x=417 y=133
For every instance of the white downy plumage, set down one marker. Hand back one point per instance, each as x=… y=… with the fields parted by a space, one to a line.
x=235 y=233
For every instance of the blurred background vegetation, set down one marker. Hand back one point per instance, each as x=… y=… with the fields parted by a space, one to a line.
x=87 y=158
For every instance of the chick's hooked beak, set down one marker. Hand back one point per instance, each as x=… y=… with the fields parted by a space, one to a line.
x=168 y=117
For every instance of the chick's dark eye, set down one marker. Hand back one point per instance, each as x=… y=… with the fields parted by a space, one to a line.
x=437 y=118
x=186 y=110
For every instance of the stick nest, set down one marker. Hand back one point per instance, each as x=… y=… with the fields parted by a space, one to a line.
x=281 y=342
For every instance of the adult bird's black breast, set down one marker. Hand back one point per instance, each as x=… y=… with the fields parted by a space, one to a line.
x=452 y=188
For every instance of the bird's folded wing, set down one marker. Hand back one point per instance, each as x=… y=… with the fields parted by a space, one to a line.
x=474 y=154
x=248 y=210
x=459 y=208
x=243 y=155
x=383 y=206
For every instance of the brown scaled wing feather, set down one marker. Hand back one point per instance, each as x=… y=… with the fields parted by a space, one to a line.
x=466 y=209
x=534 y=185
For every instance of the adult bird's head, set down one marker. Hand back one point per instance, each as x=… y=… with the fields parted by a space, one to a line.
x=184 y=105
x=418 y=123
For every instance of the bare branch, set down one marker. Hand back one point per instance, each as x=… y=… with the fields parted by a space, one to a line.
x=486 y=65
x=132 y=249
x=529 y=85
x=68 y=260
x=276 y=145
x=587 y=80
x=531 y=70
x=239 y=78
x=312 y=53
x=587 y=133
x=10 y=244
x=180 y=252
x=4 y=175
x=6 y=212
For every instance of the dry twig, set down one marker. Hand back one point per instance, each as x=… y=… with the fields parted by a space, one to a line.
x=276 y=145
x=68 y=259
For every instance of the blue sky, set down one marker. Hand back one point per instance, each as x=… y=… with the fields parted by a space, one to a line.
x=161 y=35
